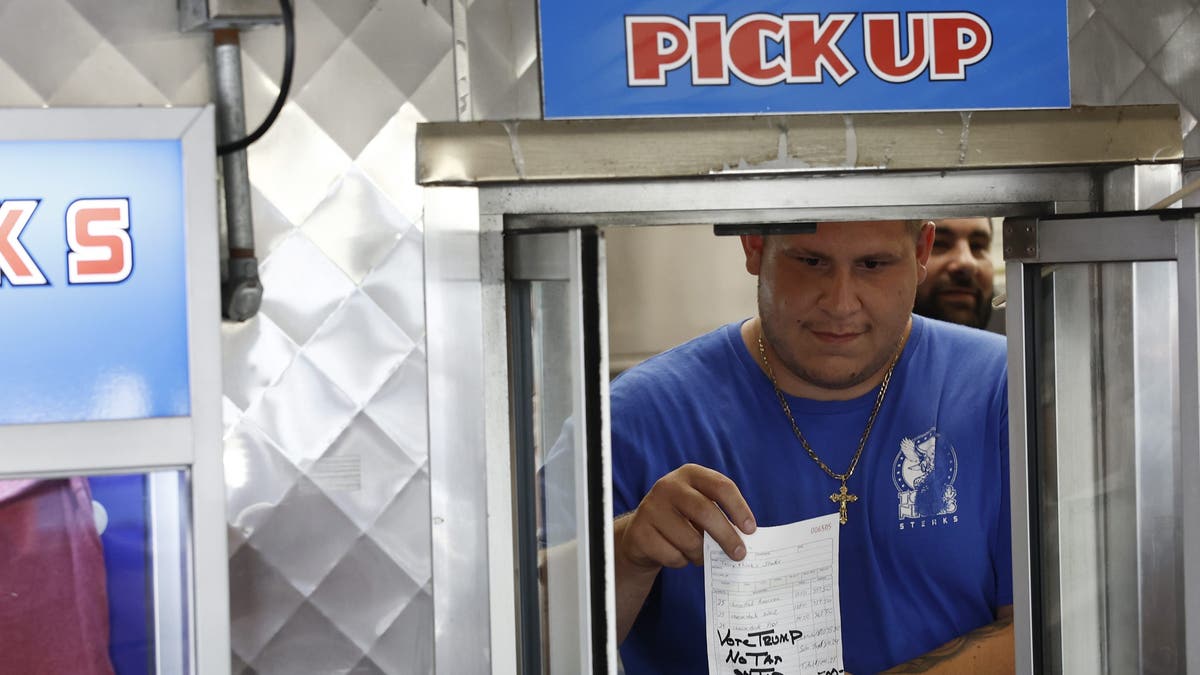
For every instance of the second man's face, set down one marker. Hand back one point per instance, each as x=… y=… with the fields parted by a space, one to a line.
x=959 y=286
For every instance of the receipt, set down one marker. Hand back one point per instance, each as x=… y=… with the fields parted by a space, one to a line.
x=776 y=611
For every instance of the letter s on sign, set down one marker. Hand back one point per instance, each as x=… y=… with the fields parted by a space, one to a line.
x=98 y=234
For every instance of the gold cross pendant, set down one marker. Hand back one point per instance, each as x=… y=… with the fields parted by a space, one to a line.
x=842 y=497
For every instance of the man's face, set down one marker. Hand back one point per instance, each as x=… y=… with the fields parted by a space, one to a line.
x=959 y=285
x=835 y=304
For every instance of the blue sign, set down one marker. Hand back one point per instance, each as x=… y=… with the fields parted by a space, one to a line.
x=680 y=57
x=92 y=281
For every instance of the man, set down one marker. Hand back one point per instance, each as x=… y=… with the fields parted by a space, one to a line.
x=701 y=444
x=958 y=287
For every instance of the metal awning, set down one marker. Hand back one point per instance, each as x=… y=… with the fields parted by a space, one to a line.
x=479 y=153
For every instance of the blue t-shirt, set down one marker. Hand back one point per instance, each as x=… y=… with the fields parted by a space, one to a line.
x=918 y=567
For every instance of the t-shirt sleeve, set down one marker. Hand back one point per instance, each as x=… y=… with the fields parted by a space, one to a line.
x=636 y=426
x=628 y=442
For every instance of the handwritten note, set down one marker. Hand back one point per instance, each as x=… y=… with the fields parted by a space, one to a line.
x=776 y=611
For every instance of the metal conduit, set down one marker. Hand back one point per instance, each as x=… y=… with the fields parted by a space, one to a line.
x=241 y=290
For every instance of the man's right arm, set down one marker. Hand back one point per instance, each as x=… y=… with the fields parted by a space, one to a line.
x=667 y=530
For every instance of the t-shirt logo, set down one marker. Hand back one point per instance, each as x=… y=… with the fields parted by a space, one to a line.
x=924 y=473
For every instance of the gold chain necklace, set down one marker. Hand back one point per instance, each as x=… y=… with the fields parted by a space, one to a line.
x=842 y=496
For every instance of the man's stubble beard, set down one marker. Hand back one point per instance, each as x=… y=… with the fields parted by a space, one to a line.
x=929 y=307
x=774 y=339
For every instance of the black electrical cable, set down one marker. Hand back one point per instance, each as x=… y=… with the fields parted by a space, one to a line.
x=285 y=85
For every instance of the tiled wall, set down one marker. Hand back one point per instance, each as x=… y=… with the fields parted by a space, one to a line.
x=325 y=452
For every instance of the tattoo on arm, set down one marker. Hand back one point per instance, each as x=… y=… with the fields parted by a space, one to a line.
x=952 y=648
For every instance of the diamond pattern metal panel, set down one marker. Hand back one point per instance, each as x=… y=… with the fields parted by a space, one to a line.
x=1078 y=13
x=365 y=593
x=1129 y=52
x=26 y=26
x=403 y=528
x=324 y=408
x=403 y=267
x=362 y=473
x=1177 y=63
x=1111 y=68
x=295 y=165
x=402 y=649
x=359 y=347
x=263 y=604
x=317 y=37
x=258 y=476
x=502 y=53
x=390 y=159
x=256 y=353
x=1146 y=27
x=105 y=61
x=307 y=285
x=349 y=73
x=271 y=227
x=309 y=643
x=400 y=40
x=324 y=412
x=357 y=226
x=405 y=390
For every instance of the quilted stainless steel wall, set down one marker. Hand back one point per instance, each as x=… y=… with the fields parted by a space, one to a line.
x=325 y=414
x=1127 y=51
x=326 y=389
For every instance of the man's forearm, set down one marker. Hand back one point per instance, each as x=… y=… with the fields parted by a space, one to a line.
x=987 y=650
x=633 y=583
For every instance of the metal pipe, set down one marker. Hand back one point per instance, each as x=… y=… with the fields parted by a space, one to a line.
x=241 y=290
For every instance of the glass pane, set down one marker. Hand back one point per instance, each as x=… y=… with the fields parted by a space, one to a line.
x=557 y=448
x=1107 y=369
x=92 y=574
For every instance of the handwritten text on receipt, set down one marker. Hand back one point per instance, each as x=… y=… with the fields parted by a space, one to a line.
x=776 y=611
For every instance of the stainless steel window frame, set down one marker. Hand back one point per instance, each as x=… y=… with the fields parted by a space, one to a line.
x=1188 y=252
x=573 y=259
x=1100 y=238
x=473 y=538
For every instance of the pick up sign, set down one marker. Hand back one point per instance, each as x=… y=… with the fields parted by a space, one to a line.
x=685 y=57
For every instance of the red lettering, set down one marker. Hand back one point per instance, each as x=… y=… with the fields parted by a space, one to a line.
x=16 y=264
x=812 y=48
x=708 y=59
x=654 y=46
x=101 y=250
x=943 y=43
x=748 y=49
x=881 y=38
x=959 y=40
